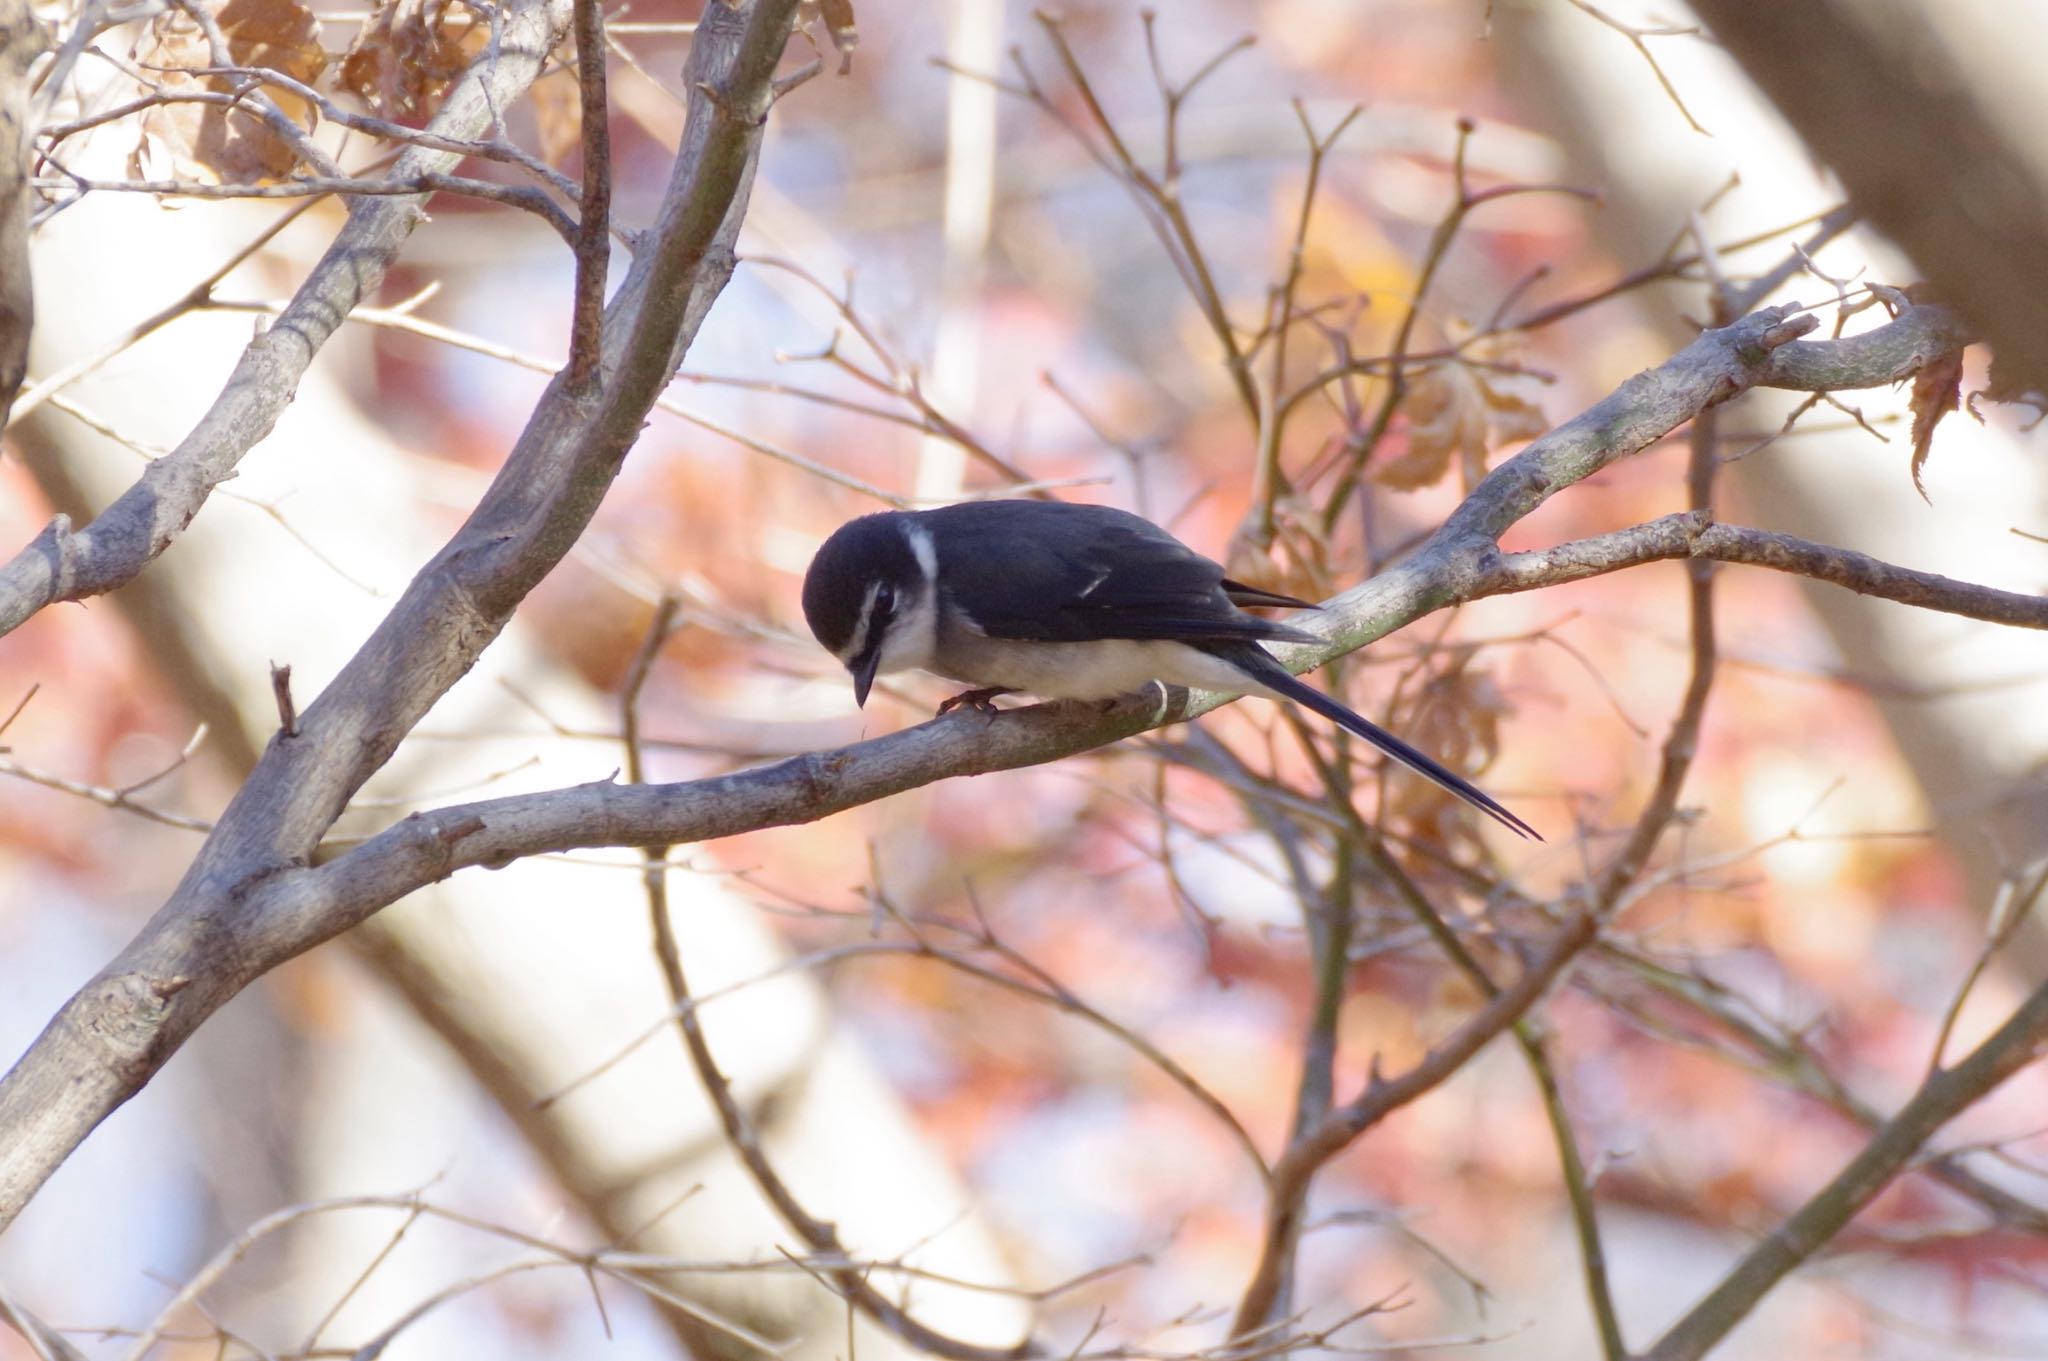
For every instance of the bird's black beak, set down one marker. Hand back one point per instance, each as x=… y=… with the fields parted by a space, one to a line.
x=863 y=669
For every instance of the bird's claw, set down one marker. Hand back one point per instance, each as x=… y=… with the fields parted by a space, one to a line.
x=981 y=701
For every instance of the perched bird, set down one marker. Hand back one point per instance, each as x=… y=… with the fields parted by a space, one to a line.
x=1064 y=602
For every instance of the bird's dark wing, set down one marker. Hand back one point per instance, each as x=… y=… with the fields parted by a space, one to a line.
x=1047 y=571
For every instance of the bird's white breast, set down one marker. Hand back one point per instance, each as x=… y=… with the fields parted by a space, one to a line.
x=1089 y=670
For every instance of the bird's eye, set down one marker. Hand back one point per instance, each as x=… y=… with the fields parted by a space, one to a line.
x=885 y=599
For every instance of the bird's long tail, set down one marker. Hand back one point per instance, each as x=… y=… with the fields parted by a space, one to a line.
x=1260 y=663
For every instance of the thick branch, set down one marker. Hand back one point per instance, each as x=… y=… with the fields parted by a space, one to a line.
x=67 y=564
x=217 y=932
x=1897 y=97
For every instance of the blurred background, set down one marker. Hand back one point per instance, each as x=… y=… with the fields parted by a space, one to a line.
x=948 y=1008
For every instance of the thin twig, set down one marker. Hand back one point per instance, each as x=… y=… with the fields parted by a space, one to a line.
x=1382 y=1096
x=820 y=1237
x=1158 y=196
x=525 y=198
x=2014 y=1045
x=1528 y=1036
x=198 y=296
x=1267 y=481
x=593 y=225
x=1635 y=35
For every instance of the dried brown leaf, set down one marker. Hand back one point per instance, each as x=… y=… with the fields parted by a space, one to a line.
x=207 y=142
x=558 y=114
x=410 y=51
x=836 y=17
x=1446 y=415
x=1455 y=718
x=276 y=35
x=1294 y=560
x=1937 y=390
x=2000 y=386
x=1456 y=410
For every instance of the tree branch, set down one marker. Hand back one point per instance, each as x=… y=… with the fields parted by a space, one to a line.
x=1306 y=1155
x=1945 y=1093
x=1929 y=147
x=21 y=41
x=63 y=564
x=524 y=197
x=252 y=899
x=592 y=240
x=219 y=929
x=1692 y=534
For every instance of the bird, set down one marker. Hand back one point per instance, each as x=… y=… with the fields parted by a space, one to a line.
x=1064 y=601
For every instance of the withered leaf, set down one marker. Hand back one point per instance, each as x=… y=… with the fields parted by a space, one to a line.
x=410 y=51
x=276 y=35
x=840 y=29
x=1456 y=717
x=209 y=142
x=2000 y=386
x=1937 y=389
x=1456 y=410
x=558 y=113
x=1292 y=557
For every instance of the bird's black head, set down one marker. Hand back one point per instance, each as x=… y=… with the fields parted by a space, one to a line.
x=863 y=578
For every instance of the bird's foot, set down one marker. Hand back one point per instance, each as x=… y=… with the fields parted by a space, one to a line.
x=981 y=701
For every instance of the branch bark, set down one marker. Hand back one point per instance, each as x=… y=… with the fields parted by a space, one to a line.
x=67 y=564
x=252 y=899
x=1694 y=535
x=219 y=928
x=21 y=40
x=1892 y=96
x=1943 y=1096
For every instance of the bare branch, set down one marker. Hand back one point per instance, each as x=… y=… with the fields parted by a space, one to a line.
x=1692 y=534
x=1635 y=34
x=210 y=938
x=1944 y=1094
x=21 y=42
x=592 y=239
x=383 y=129
x=67 y=564
x=1886 y=93
x=523 y=197
x=1381 y=1097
